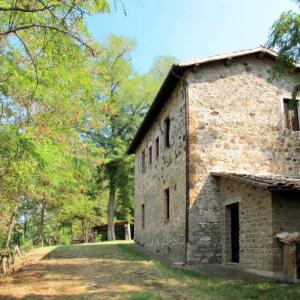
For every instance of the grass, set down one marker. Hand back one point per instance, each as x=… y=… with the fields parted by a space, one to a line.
x=119 y=271
x=193 y=285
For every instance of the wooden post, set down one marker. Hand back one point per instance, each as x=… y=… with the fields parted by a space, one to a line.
x=127 y=232
x=5 y=264
x=18 y=251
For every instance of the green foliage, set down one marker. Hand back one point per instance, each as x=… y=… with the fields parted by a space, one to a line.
x=64 y=236
x=126 y=95
x=68 y=109
x=285 y=38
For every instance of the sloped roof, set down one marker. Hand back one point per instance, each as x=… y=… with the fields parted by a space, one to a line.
x=175 y=74
x=213 y=58
x=270 y=182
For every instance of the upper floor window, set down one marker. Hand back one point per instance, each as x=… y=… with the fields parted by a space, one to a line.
x=157 y=147
x=150 y=155
x=143 y=161
x=167 y=124
x=291 y=114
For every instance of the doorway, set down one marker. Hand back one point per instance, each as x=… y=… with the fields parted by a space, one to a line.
x=298 y=260
x=234 y=232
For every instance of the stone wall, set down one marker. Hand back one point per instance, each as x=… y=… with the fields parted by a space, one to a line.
x=235 y=125
x=255 y=222
x=160 y=236
x=286 y=218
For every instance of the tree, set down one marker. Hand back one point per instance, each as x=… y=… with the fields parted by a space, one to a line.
x=46 y=100
x=128 y=96
x=19 y=158
x=285 y=38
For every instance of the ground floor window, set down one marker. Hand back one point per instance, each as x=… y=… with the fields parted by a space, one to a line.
x=167 y=205
x=143 y=216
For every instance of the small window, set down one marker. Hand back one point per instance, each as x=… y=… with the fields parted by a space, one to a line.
x=150 y=155
x=167 y=205
x=157 y=147
x=143 y=216
x=291 y=114
x=143 y=162
x=167 y=132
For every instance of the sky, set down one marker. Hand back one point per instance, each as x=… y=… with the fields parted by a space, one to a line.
x=189 y=29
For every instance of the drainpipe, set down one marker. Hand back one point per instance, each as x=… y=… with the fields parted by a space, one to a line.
x=187 y=193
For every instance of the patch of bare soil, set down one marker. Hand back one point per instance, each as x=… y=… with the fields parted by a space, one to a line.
x=78 y=271
x=118 y=271
x=91 y=271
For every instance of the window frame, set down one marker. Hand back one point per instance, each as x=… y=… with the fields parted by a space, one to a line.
x=286 y=116
x=157 y=147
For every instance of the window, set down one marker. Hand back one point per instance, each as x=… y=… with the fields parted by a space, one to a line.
x=143 y=162
x=167 y=132
x=143 y=216
x=291 y=114
x=150 y=155
x=157 y=147
x=167 y=205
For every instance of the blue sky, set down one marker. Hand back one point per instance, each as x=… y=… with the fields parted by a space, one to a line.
x=189 y=29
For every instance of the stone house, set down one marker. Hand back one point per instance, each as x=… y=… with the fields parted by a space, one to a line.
x=217 y=164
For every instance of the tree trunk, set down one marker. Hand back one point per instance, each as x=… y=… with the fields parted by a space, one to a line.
x=127 y=232
x=71 y=231
x=11 y=226
x=111 y=213
x=25 y=228
x=86 y=238
x=42 y=222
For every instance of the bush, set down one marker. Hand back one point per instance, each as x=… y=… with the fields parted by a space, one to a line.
x=26 y=244
x=99 y=238
x=64 y=237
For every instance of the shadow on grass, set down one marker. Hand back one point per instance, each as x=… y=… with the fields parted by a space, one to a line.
x=120 y=271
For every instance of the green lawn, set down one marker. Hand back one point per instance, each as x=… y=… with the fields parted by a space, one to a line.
x=191 y=285
x=119 y=271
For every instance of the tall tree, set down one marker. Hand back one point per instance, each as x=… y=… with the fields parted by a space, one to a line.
x=285 y=38
x=127 y=95
x=46 y=98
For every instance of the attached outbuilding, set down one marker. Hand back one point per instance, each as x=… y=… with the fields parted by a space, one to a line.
x=256 y=211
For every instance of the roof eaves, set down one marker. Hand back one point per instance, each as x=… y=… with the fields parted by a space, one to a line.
x=227 y=55
x=269 y=182
x=168 y=85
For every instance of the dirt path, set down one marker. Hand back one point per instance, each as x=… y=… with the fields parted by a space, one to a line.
x=117 y=271
x=64 y=272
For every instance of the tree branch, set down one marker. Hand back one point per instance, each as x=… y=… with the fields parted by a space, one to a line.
x=47 y=27
x=26 y=10
x=33 y=63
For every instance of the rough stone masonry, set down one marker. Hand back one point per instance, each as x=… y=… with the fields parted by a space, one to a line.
x=225 y=116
